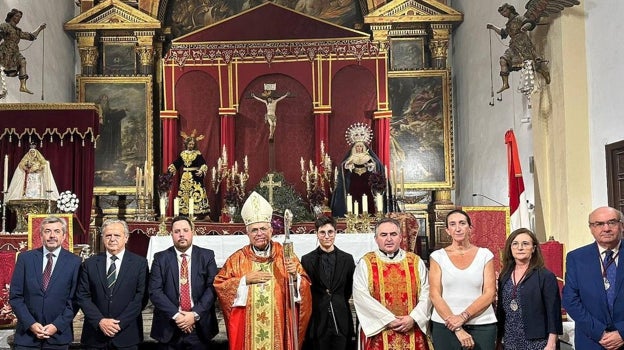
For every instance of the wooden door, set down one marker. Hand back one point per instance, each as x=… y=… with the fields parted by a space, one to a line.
x=615 y=174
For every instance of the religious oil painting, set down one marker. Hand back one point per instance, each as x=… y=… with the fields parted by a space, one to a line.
x=407 y=54
x=125 y=125
x=190 y=15
x=119 y=59
x=420 y=130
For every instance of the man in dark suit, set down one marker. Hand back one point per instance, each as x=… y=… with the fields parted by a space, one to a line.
x=593 y=294
x=331 y=271
x=112 y=293
x=181 y=289
x=42 y=291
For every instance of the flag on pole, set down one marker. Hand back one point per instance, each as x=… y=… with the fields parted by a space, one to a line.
x=517 y=197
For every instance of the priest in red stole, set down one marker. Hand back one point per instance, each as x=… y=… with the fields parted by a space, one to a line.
x=253 y=289
x=391 y=294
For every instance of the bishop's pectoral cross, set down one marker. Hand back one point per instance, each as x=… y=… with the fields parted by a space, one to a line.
x=270 y=185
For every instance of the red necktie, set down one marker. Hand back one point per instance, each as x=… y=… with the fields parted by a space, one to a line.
x=185 y=292
x=47 y=272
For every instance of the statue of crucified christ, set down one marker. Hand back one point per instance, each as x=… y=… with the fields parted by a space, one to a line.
x=270 y=116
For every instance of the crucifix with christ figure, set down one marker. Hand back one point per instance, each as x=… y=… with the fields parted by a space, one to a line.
x=270 y=184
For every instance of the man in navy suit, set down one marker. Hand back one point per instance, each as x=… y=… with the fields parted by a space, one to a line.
x=42 y=291
x=112 y=293
x=593 y=294
x=331 y=271
x=181 y=289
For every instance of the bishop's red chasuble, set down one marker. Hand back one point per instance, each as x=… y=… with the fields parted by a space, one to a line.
x=265 y=322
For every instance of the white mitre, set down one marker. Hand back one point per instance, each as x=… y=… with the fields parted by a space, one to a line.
x=256 y=209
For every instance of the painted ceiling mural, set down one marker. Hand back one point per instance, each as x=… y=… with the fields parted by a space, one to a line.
x=185 y=16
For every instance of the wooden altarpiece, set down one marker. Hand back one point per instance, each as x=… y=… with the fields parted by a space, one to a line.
x=335 y=76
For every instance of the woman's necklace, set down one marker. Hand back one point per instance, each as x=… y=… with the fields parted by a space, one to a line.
x=513 y=305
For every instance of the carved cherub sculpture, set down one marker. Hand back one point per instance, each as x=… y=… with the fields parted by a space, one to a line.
x=520 y=46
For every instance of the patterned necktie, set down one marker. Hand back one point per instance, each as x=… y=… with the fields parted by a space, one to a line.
x=111 y=276
x=47 y=272
x=185 y=292
x=610 y=268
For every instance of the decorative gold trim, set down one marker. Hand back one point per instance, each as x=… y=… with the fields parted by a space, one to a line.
x=447 y=129
x=129 y=188
x=46 y=106
x=111 y=15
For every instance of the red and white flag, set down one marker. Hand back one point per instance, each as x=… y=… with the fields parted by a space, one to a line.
x=517 y=198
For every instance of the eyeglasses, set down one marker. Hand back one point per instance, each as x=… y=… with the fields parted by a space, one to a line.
x=327 y=233
x=611 y=223
x=516 y=244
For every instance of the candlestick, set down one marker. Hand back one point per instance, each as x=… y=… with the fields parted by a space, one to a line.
x=302 y=163
x=176 y=206
x=6 y=172
x=379 y=203
x=356 y=207
x=163 y=205
x=364 y=203
x=246 y=165
x=49 y=182
x=349 y=204
x=191 y=207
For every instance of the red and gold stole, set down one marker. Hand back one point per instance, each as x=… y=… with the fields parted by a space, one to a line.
x=396 y=285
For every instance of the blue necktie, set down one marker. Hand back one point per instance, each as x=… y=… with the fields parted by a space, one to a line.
x=610 y=275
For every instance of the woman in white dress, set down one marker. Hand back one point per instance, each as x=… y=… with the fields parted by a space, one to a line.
x=462 y=289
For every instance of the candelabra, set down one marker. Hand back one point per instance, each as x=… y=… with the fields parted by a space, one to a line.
x=319 y=179
x=233 y=179
x=48 y=195
x=360 y=223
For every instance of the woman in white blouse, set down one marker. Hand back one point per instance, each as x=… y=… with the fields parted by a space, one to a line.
x=462 y=288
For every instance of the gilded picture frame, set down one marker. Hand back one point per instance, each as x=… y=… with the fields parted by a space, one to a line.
x=407 y=54
x=119 y=58
x=125 y=138
x=421 y=128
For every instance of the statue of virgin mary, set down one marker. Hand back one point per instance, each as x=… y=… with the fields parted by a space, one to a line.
x=32 y=178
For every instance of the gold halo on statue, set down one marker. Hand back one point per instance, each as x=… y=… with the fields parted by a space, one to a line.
x=359 y=132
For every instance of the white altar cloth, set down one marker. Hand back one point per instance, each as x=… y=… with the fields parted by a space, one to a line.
x=356 y=244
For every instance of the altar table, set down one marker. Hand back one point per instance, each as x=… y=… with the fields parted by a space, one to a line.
x=356 y=244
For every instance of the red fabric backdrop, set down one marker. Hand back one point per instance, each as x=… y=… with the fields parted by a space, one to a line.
x=71 y=156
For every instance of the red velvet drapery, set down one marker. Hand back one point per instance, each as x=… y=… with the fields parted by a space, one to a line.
x=65 y=134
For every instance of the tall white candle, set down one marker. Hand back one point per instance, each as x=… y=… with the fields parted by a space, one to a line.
x=176 y=206
x=379 y=203
x=191 y=206
x=49 y=182
x=364 y=203
x=356 y=207
x=349 y=204
x=6 y=172
x=163 y=206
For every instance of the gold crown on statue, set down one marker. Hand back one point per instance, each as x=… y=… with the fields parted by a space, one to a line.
x=192 y=135
x=256 y=209
x=359 y=132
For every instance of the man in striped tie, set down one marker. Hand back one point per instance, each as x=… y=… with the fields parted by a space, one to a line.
x=112 y=293
x=42 y=291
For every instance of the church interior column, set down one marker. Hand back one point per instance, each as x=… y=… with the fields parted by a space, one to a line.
x=145 y=51
x=561 y=138
x=88 y=52
x=439 y=45
x=321 y=131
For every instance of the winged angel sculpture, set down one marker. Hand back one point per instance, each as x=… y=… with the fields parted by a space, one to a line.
x=520 y=46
